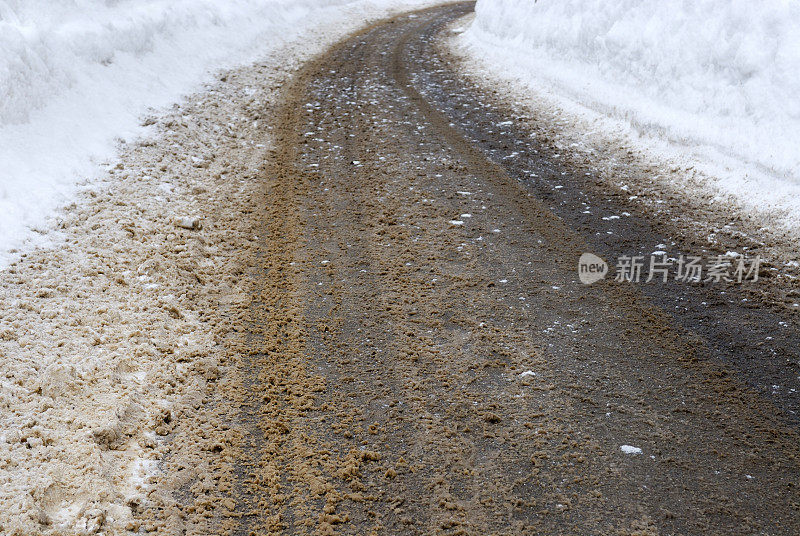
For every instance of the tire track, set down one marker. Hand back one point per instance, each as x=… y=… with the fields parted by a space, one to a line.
x=388 y=344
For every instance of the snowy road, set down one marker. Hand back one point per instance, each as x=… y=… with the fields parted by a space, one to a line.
x=419 y=356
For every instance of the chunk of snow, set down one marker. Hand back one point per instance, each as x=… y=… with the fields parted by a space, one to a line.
x=188 y=222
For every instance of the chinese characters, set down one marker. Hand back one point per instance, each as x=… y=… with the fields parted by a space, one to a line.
x=686 y=268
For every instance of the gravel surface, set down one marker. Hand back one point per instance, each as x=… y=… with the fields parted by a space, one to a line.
x=421 y=358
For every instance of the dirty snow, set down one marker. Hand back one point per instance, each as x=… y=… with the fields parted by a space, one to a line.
x=110 y=338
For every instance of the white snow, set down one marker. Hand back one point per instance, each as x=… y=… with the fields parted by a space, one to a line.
x=78 y=76
x=707 y=82
x=188 y=222
x=629 y=449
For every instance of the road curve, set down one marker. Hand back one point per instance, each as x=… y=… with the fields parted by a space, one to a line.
x=421 y=358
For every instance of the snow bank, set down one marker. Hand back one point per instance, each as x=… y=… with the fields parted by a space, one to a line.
x=78 y=75
x=719 y=78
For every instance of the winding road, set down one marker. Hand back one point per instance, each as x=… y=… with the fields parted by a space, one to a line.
x=422 y=358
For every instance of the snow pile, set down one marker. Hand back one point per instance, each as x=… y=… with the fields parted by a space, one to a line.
x=78 y=75
x=719 y=78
